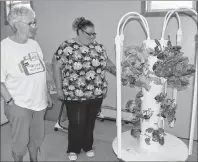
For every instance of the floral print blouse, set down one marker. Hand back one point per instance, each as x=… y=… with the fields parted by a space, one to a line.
x=83 y=70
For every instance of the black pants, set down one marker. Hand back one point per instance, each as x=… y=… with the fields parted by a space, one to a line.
x=81 y=116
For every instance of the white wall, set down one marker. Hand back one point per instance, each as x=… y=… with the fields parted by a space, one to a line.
x=55 y=25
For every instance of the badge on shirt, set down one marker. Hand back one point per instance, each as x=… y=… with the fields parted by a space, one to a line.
x=32 y=64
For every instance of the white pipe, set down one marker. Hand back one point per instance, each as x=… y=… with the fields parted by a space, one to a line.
x=194 y=104
x=118 y=79
x=165 y=87
x=134 y=13
x=193 y=117
x=166 y=22
x=145 y=24
x=194 y=109
x=179 y=36
x=174 y=95
x=178 y=10
x=119 y=50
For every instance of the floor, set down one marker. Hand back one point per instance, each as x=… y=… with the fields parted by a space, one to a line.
x=55 y=144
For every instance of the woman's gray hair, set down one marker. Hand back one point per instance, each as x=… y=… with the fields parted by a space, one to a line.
x=17 y=13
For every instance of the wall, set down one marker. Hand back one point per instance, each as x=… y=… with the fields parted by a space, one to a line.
x=55 y=20
x=5 y=30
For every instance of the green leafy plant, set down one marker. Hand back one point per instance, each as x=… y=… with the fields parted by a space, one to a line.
x=167 y=107
x=157 y=135
x=136 y=60
x=136 y=131
x=134 y=107
x=173 y=66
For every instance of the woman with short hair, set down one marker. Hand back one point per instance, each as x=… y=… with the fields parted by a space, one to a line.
x=23 y=84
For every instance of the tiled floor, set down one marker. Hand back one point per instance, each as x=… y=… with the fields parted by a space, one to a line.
x=55 y=144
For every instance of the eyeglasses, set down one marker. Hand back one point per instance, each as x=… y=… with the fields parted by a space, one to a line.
x=30 y=24
x=89 y=34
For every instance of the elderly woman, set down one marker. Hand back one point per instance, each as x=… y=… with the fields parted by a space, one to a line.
x=79 y=67
x=23 y=84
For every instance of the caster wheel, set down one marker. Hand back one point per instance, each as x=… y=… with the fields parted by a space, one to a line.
x=55 y=129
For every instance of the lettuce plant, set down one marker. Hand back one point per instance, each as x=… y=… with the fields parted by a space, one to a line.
x=171 y=65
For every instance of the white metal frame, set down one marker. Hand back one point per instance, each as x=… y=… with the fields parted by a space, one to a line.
x=119 y=52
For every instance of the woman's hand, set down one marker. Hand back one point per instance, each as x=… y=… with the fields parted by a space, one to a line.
x=49 y=100
x=11 y=103
x=112 y=70
x=60 y=94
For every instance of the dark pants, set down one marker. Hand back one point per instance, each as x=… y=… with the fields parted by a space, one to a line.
x=81 y=116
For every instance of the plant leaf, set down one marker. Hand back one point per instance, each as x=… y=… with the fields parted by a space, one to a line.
x=156 y=138
x=147 y=140
x=161 y=131
x=161 y=141
x=149 y=130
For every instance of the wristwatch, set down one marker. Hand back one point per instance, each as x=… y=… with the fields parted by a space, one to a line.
x=9 y=101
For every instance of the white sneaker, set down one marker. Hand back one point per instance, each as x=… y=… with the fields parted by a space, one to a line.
x=72 y=156
x=90 y=153
x=100 y=115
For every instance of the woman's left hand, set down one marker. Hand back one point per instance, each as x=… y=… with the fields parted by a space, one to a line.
x=49 y=100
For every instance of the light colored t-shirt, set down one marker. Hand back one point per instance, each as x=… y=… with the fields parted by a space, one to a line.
x=24 y=74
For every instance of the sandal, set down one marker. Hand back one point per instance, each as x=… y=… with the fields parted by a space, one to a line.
x=90 y=153
x=72 y=156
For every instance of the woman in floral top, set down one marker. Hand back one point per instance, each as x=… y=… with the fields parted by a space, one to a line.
x=79 y=66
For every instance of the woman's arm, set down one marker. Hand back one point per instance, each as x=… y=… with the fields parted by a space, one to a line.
x=56 y=67
x=111 y=68
x=5 y=94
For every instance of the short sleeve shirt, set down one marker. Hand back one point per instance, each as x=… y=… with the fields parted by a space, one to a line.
x=83 y=70
x=23 y=73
